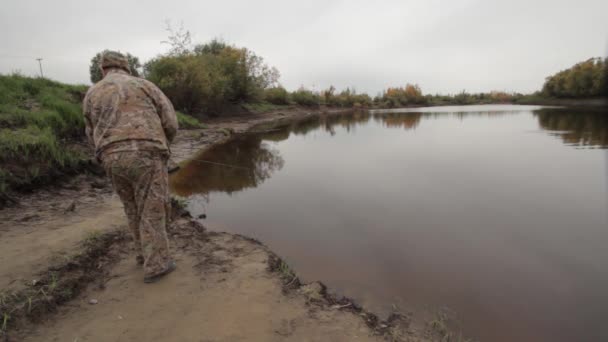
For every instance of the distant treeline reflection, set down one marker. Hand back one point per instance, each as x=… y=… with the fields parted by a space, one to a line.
x=586 y=127
x=580 y=127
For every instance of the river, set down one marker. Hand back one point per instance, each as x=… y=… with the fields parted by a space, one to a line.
x=496 y=212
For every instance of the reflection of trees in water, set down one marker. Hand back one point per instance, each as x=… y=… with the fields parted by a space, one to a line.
x=255 y=162
x=303 y=127
x=574 y=126
x=349 y=121
x=462 y=115
x=411 y=119
x=396 y=120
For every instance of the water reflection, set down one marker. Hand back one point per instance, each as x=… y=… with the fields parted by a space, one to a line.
x=242 y=163
x=576 y=127
x=410 y=118
x=400 y=120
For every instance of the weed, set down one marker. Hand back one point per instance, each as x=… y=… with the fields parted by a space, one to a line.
x=5 y=319
x=188 y=122
x=92 y=238
x=440 y=326
x=53 y=283
x=285 y=270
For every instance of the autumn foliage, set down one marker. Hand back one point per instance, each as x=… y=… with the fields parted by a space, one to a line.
x=583 y=80
x=411 y=94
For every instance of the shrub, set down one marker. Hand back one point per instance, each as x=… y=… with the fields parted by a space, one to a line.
x=276 y=95
x=346 y=98
x=193 y=83
x=409 y=95
x=211 y=76
x=305 y=97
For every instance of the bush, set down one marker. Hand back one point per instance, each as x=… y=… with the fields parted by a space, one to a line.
x=305 y=97
x=409 y=95
x=211 y=76
x=194 y=84
x=276 y=95
x=347 y=98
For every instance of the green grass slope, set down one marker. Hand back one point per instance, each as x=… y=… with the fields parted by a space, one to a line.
x=42 y=132
x=41 y=124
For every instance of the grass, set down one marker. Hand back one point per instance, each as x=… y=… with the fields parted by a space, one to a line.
x=263 y=107
x=43 y=103
x=188 y=122
x=440 y=326
x=39 y=118
x=285 y=271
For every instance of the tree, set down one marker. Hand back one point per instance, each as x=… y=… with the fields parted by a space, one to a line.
x=179 y=40
x=583 y=80
x=203 y=79
x=248 y=73
x=95 y=71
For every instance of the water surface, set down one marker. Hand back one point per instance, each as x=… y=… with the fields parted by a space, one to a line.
x=497 y=212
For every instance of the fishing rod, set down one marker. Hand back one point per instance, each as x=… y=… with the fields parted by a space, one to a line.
x=177 y=167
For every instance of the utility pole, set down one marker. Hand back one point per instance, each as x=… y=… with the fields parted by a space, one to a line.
x=40 y=64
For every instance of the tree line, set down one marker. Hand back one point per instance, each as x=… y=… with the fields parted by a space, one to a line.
x=586 y=79
x=207 y=78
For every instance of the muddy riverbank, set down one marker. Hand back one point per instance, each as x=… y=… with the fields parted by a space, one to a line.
x=68 y=272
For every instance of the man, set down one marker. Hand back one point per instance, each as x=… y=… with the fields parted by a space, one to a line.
x=131 y=124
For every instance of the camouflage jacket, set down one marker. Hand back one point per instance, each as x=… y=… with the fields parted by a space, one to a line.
x=127 y=113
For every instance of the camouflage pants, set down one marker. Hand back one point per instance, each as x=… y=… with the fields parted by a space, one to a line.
x=140 y=178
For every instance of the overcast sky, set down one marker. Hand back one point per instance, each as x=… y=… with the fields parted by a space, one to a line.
x=444 y=46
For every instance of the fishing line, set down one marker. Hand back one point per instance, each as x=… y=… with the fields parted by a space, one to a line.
x=203 y=161
x=220 y=164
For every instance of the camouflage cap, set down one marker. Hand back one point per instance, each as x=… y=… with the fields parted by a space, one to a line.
x=113 y=59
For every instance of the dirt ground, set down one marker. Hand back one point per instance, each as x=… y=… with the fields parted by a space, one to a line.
x=221 y=291
x=226 y=287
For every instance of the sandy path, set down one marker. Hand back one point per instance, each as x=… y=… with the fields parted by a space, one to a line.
x=221 y=291
x=51 y=223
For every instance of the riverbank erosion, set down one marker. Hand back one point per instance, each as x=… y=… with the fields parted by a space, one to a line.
x=68 y=272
